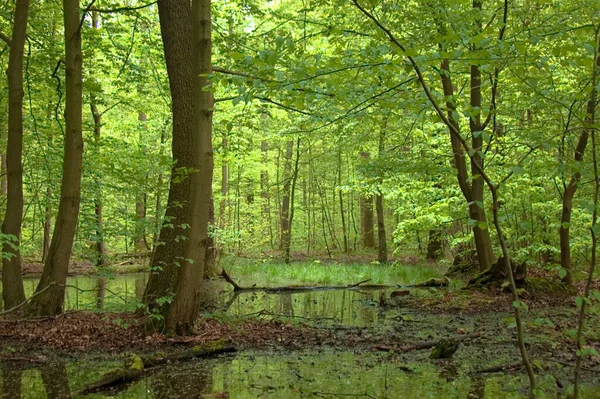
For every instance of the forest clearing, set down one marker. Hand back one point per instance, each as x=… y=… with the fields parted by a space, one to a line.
x=296 y=198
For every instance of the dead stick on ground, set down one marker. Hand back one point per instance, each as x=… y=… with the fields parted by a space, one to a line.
x=497 y=369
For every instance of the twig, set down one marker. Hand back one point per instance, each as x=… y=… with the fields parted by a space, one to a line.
x=27 y=300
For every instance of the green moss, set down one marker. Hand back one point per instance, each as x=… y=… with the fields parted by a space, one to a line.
x=136 y=363
x=210 y=346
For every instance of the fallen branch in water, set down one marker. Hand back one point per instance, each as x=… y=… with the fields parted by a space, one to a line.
x=426 y=344
x=137 y=366
x=306 y=288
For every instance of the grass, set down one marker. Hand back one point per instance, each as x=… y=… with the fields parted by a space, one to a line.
x=247 y=272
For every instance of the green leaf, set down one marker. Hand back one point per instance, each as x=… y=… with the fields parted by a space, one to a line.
x=589 y=48
x=518 y=170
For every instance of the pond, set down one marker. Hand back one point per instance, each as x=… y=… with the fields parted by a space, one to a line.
x=311 y=373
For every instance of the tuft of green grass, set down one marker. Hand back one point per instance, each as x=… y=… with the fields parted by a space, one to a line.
x=247 y=272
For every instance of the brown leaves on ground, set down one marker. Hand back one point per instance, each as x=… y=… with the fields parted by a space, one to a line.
x=87 y=331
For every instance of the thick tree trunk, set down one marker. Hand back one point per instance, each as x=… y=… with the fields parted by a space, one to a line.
x=176 y=29
x=50 y=301
x=13 y=292
x=185 y=307
x=285 y=201
x=571 y=188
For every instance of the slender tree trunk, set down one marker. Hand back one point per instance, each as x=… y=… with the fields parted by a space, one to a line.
x=571 y=188
x=211 y=269
x=472 y=192
x=341 y=199
x=382 y=255
x=285 y=201
x=185 y=307
x=100 y=244
x=158 y=209
x=366 y=216
x=288 y=242
x=13 y=292
x=47 y=225
x=50 y=292
x=224 y=187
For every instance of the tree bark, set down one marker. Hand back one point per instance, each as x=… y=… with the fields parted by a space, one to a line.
x=50 y=302
x=294 y=178
x=13 y=293
x=382 y=256
x=285 y=200
x=183 y=311
x=100 y=244
x=472 y=192
x=366 y=216
x=176 y=28
x=571 y=188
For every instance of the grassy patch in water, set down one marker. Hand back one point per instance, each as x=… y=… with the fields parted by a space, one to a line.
x=247 y=272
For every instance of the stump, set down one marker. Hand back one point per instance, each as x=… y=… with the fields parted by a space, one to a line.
x=496 y=274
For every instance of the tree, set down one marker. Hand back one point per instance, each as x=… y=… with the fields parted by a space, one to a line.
x=13 y=292
x=187 y=41
x=50 y=292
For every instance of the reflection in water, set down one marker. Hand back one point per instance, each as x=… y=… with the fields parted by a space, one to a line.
x=56 y=381
x=11 y=382
x=349 y=307
x=186 y=381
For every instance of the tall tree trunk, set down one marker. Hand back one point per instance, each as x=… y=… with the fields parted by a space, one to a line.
x=50 y=292
x=264 y=189
x=176 y=28
x=13 y=292
x=158 y=209
x=185 y=307
x=341 y=199
x=47 y=225
x=101 y=256
x=211 y=269
x=472 y=192
x=140 y=243
x=571 y=188
x=366 y=216
x=288 y=242
x=382 y=255
x=285 y=201
x=100 y=244
x=224 y=185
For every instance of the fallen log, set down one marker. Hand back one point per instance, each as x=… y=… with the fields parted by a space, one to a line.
x=499 y=368
x=304 y=288
x=136 y=367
